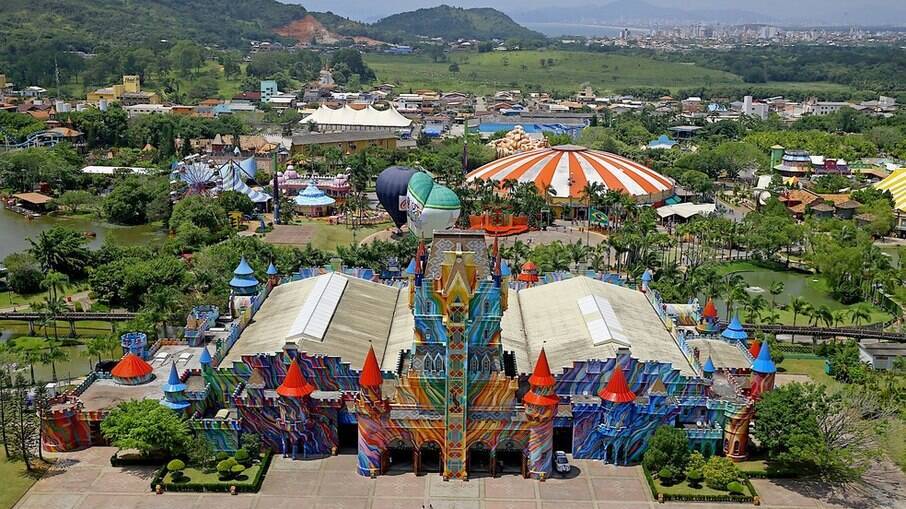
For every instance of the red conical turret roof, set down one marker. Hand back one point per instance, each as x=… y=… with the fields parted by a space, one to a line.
x=131 y=366
x=754 y=348
x=617 y=390
x=710 y=310
x=542 y=377
x=295 y=385
x=371 y=372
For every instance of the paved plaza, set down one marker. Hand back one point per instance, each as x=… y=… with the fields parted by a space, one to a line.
x=85 y=480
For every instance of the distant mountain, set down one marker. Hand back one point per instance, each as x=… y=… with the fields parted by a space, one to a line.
x=453 y=23
x=636 y=12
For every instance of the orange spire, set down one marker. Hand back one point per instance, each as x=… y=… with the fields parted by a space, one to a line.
x=754 y=348
x=131 y=366
x=371 y=372
x=617 y=390
x=295 y=385
x=542 y=377
x=710 y=310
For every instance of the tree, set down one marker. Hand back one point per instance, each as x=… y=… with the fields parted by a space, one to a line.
x=235 y=201
x=163 y=305
x=136 y=200
x=24 y=275
x=807 y=430
x=251 y=442
x=5 y=404
x=53 y=281
x=668 y=447
x=719 y=472
x=204 y=213
x=60 y=249
x=23 y=426
x=175 y=467
x=200 y=452
x=147 y=426
x=74 y=200
x=53 y=354
x=352 y=59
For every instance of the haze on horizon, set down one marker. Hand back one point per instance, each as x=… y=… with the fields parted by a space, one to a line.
x=802 y=12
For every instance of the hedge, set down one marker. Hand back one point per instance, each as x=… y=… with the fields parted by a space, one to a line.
x=671 y=497
x=137 y=460
x=222 y=486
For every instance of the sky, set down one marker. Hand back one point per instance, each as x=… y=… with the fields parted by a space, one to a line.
x=818 y=12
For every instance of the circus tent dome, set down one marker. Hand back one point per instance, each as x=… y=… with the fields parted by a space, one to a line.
x=132 y=370
x=567 y=169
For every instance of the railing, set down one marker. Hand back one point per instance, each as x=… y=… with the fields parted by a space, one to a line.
x=74 y=316
x=853 y=332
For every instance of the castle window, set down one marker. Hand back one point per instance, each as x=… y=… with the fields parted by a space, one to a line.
x=486 y=365
x=439 y=363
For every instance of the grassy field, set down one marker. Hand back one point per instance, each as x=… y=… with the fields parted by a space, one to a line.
x=487 y=72
x=683 y=488
x=814 y=368
x=16 y=480
x=329 y=236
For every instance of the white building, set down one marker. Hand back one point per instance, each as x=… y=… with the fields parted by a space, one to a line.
x=146 y=109
x=881 y=355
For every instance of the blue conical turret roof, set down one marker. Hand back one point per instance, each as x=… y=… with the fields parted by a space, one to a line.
x=505 y=269
x=410 y=269
x=243 y=276
x=735 y=331
x=271 y=270
x=205 y=357
x=647 y=276
x=763 y=363
x=708 y=368
x=174 y=384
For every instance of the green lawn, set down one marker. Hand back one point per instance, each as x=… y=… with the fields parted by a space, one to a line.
x=195 y=475
x=683 y=488
x=16 y=480
x=487 y=72
x=893 y=441
x=814 y=368
x=329 y=236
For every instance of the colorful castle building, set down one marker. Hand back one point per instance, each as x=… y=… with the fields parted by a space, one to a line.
x=456 y=373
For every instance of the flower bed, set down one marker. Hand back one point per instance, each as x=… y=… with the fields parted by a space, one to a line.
x=682 y=492
x=197 y=480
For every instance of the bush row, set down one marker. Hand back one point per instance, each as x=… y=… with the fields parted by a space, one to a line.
x=219 y=486
x=667 y=497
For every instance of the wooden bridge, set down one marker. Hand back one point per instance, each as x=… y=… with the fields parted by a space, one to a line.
x=31 y=317
x=826 y=332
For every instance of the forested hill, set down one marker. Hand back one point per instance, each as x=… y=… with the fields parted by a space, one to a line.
x=84 y=25
x=453 y=23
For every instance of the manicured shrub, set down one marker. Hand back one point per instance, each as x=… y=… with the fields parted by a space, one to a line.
x=736 y=488
x=236 y=470
x=225 y=467
x=221 y=456
x=667 y=475
x=719 y=472
x=251 y=442
x=668 y=447
x=695 y=478
x=175 y=468
x=242 y=457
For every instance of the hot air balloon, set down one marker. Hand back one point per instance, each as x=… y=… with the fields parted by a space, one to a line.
x=391 y=187
x=432 y=207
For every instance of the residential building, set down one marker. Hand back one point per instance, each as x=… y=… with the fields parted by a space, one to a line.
x=268 y=89
x=881 y=355
x=129 y=93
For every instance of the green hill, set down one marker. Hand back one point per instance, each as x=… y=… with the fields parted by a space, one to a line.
x=453 y=23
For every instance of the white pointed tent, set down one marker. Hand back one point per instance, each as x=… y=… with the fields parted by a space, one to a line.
x=233 y=178
x=367 y=117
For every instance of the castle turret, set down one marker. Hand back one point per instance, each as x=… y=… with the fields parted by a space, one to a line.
x=529 y=273
x=540 y=408
x=708 y=369
x=734 y=331
x=617 y=410
x=708 y=323
x=370 y=411
x=273 y=276
x=243 y=286
x=293 y=393
x=174 y=392
x=763 y=370
x=132 y=370
x=647 y=276
x=754 y=348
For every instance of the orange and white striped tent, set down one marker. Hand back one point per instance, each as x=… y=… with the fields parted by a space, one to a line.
x=568 y=168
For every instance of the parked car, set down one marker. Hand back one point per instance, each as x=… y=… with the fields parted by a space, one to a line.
x=562 y=463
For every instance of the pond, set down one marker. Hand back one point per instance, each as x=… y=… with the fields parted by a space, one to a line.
x=795 y=284
x=79 y=364
x=15 y=230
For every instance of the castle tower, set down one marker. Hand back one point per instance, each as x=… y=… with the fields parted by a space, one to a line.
x=370 y=412
x=736 y=432
x=708 y=324
x=647 y=276
x=529 y=273
x=617 y=408
x=708 y=369
x=293 y=393
x=242 y=287
x=734 y=331
x=273 y=277
x=132 y=370
x=175 y=392
x=540 y=408
x=763 y=370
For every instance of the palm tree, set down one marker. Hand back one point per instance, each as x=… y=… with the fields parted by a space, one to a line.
x=53 y=354
x=859 y=314
x=577 y=252
x=97 y=347
x=53 y=307
x=31 y=351
x=738 y=294
x=163 y=304
x=798 y=305
x=840 y=317
x=53 y=281
x=754 y=307
x=775 y=289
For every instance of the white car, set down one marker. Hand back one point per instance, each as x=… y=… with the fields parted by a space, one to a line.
x=562 y=463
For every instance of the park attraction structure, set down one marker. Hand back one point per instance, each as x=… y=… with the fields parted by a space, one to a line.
x=458 y=371
x=561 y=173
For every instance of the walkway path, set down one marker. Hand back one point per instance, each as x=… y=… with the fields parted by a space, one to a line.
x=85 y=480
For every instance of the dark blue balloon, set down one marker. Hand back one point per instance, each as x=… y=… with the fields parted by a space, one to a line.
x=390 y=186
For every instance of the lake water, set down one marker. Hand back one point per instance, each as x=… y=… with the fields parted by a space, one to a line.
x=794 y=285
x=15 y=229
x=583 y=30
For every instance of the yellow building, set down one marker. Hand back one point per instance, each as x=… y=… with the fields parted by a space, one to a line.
x=129 y=93
x=347 y=142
